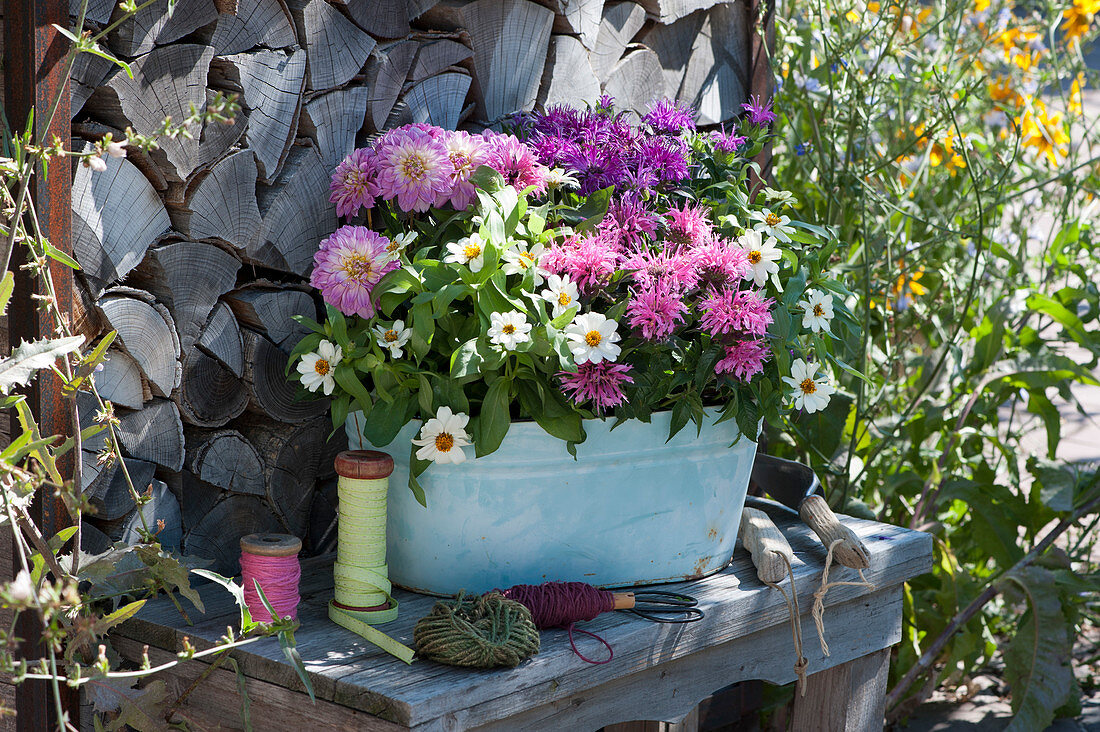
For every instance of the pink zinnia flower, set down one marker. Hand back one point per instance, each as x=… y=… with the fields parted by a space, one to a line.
x=674 y=271
x=656 y=312
x=590 y=261
x=687 y=225
x=601 y=382
x=744 y=360
x=722 y=263
x=742 y=310
x=414 y=168
x=516 y=162
x=354 y=183
x=347 y=267
x=466 y=152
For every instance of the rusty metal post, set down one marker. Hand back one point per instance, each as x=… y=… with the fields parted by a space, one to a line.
x=34 y=74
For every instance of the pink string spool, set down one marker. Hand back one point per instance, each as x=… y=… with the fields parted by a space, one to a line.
x=272 y=561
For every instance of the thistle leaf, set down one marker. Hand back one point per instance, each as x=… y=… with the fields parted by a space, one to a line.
x=20 y=367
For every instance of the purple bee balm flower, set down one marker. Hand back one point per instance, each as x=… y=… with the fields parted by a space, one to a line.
x=666 y=155
x=414 y=168
x=722 y=263
x=347 y=267
x=596 y=167
x=760 y=113
x=515 y=161
x=629 y=222
x=670 y=117
x=655 y=312
x=467 y=153
x=727 y=142
x=354 y=183
x=729 y=310
x=552 y=149
x=744 y=359
x=602 y=383
x=670 y=270
x=590 y=261
x=606 y=103
x=559 y=120
x=687 y=226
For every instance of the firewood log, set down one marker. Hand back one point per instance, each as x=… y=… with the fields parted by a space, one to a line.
x=269 y=392
x=620 y=23
x=437 y=55
x=291 y=455
x=569 y=78
x=256 y=23
x=154 y=433
x=271 y=84
x=705 y=60
x=224 y=458
x=222 y=204
x=322 y=513
x=297 y=214
x=579 y=17
x=92 y=540
x=515 y=30
x=188 y=277
x=209 y=395
x=636 y=80
x=109 y=493
x=217 y=536
x=196 y=498
x=336 y=48
x=333 y=120
x=161 y=517
x=119 y=381
x=669 y=11
x=147 y=333
x=175 y=76
x=88 y=72
x=387 y=71
x=386 y=18
x=97 y=11
x=270 y=309
x=221 y=339
x=108 y=245
x=152 y=26
x=437 y=100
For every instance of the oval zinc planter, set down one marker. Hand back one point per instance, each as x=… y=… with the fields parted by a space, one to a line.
x=632 y=509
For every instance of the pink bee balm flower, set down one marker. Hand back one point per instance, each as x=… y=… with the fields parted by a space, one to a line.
x=348 y=266
x=742 y=310
x=744 y=360
x=600 y=382
x=673 y=271
x=414 y=168
x=722 y=263
x=466 y=152
x=687 y=225
x=589 y=261
x=354 y=184
x=655 y=312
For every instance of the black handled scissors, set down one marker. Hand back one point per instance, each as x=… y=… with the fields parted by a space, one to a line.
x=666 y=607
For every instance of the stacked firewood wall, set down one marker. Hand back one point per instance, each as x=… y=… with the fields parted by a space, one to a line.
x=198 y=253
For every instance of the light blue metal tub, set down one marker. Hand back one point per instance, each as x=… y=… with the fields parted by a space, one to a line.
x=630 y=510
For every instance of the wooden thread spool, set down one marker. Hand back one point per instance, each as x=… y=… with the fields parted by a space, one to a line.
x=271 y=560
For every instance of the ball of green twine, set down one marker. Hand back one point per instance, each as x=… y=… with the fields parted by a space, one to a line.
x=480 y=632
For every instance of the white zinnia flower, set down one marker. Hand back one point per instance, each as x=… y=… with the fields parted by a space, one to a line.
x=780 y=197
x=558 y=178
x=592 y=338
x=509 y=329
x=443 y=436
x=519 y=260
x=317 y=368
x=818 y=308
x=469 y=250
x=393 y=338
x=762 y=253
x=771 y=224
x=399 y=243
x=561 y=292
x=810 y=391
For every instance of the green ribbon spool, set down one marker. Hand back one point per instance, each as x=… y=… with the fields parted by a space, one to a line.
x=360 y=575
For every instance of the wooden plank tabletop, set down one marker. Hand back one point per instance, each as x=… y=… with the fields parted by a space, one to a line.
x=347 y=670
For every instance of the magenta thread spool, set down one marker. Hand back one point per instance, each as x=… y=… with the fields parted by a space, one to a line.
x=271 y=560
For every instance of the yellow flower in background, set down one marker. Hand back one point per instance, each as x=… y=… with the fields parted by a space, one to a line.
x=980 y=5
x=1078 y=18
x=1003 y=92
x=1045 y=132
x=1075 y=95
x=945 y=154
x=906 y=287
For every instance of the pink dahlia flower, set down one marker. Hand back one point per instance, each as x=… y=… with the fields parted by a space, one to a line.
x=466 y=153
x=741 y=310
x=354 y=184
x=516 y=162
x=688 y=226
x=347 y=267
x=601 y=382
x=655 y=312
x=744 y=360
x=414 y=168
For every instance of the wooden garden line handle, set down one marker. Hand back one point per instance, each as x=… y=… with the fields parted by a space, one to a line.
x=623 y=600
x=767 y=545
x=819 y=517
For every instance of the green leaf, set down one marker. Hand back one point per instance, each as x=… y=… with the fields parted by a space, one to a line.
x=19 y=368
x=594 y=208
x=423 y=327
x=59 y=256
x=1062 y=315
x=487 y=179
x=118 y=617
x=6 y=286
x=466 y=361
x=235 y=590
x=386 y=420
x=348 y=380
x=1037 y=661
x=242 y=689
x=494 y=419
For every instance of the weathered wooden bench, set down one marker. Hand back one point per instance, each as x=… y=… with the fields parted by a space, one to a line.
x=659 y=672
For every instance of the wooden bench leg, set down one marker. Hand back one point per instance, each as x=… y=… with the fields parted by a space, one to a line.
x=690 y=723
x=850 y=697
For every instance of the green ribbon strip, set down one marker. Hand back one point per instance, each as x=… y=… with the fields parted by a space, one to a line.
x=360 y=624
